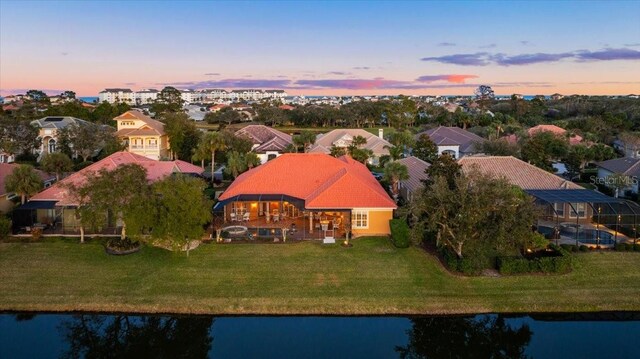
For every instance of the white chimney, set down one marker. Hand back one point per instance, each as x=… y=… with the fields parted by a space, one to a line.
x=381 y=133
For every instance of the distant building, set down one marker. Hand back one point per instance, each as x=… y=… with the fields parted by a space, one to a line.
x=146 y=96
x=114 y=95
x=143 y=135
x=49 y=128
x=268 y=143
x=558 y=131
x=454 y=141
x=343 y=137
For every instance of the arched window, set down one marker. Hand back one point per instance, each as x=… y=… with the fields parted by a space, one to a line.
x=52 y=145
x=451 y=153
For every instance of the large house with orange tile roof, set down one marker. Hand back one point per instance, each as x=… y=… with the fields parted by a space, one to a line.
x=318 y=195
x=143 y=135
x=55 y=207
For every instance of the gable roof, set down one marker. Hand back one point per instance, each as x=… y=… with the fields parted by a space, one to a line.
x=416 y=168
x=156 y=170
x=517 y=172
x=324 y=142
x=265 y=137
x=155 y=127
x=7 y=168
x=320 y=180
x=625 y=166
x=453 y=136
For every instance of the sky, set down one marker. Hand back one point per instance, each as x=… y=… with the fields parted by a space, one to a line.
x=322 y=48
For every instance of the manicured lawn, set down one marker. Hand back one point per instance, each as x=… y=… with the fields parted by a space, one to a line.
x=372 y=277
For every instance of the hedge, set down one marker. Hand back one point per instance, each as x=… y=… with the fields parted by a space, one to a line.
x=517 y=265
x=400 y=233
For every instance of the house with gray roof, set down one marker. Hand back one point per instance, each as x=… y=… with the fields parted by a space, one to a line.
x=626 y=168
x=453 y=141
x=49 y=128
x=417 y=174
x=268 y=143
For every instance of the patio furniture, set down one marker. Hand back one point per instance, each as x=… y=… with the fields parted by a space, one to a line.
x=276 y=218
x=233 y=216
x=245 y=217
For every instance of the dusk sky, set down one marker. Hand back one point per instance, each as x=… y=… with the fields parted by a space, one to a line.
x=322 y=48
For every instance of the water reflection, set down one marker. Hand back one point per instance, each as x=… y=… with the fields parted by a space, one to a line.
x=465 y=337
x=599 y=335
x=122 y=336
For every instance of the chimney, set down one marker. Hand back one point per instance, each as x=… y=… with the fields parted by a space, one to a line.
x=381 y=133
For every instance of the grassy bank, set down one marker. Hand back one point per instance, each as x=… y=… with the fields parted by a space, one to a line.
x=302 y=278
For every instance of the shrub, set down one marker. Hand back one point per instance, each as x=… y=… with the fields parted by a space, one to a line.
x=636 y=247
x=560 y=263
x=584 y=248
x=81 y=165
x=5 y=227
x=36 y=233
x=400 y=233
x=621 y=247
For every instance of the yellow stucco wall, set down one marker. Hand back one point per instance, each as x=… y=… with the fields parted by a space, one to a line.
x=378 y=224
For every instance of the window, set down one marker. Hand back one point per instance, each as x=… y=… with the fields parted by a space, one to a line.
x=360 y=219
x=559 y=207
x=580 y=207
x=52 y=145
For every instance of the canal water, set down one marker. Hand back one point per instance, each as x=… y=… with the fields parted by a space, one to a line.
x=601 y=335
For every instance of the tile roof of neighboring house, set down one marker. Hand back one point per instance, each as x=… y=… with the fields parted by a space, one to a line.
x=322 y=181
x=286 y=107
x=59 y=122
x=374 y=143
x=156 y=126
x=575 y=139
x=517 y=172
x=267 y=138
x=416 y=168
x=453 y=136
x=625 y=166
x=156 y=170
x=7 y=168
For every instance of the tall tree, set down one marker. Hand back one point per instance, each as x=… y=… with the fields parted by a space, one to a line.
x=305 y=139
x=394 y=172
x=24 y=181
x=214 y=141
x=443 y=166
x=236 y=163
x=169 y=100
x=57 y=163
x=18 y=137
x=542 y=148
x=83 y=140
x=425 y=149
x=182 y=210
x=183 y=134
x=484 y=96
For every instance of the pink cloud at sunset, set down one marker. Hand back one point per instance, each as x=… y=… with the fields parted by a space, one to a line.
x=453 y=78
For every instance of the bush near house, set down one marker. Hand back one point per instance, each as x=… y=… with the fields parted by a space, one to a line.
x=400 y=233
x=621 y=247
x=557 y=261
x=5 y=227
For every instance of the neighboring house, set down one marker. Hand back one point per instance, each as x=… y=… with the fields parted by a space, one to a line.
x=343 y=137
x=532 y=179
x=49 y=128
x=143 y=135
x=6 y=157
x=629 y=149
x=558 y=131
x=416 y=168
x=55 y=207
x=625 y=167
x=7 y=199
x=268 y=143
x=453 y=141
x=320 y=194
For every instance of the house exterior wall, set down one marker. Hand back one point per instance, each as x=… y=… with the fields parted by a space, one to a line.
x=264 y=157
x=378 y=223
x=145 y=146
x=604 y=173
x=454 y=149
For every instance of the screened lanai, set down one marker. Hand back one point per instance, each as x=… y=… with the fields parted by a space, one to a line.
x=586 y=217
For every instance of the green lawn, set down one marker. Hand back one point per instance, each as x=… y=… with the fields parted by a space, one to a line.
x=372 y=277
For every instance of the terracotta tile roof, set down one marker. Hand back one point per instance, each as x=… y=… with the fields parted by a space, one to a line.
x=453 y=136
x=155 y=125
x=156 y=170
x=416 y=168
x=322 y=181
x=625 y=166
x=517 y=172
x=575 y=139
x=374 y=143
x=7 y=168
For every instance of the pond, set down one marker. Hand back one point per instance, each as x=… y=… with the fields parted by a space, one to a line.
x=599 y=335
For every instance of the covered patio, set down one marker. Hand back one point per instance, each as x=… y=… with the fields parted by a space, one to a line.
x=267 y=215
x=585 y=217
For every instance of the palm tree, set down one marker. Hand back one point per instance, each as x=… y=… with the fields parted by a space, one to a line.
x=24 y=180
x=236 y=163
x=56 y=162
x=395 y=172
x=214 y=141
x=304 y=139
x=201 y=153
x=395 y=152
x=252 y=160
